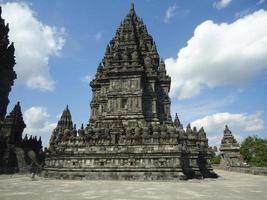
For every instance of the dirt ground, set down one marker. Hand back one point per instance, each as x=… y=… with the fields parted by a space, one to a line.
x=230 y=185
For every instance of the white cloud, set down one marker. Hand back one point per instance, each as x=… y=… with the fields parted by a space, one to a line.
x=34 y=43
x=170 y=12
x=221 y=4
x=220 y=54
x=246 y=122
x=87 y=78
x=37 y=121
x=98 y=36
x=191 y=110
x=243 y=122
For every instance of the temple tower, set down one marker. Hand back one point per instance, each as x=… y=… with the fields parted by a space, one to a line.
x=13 y=150
x=13 y=126
x=11 y=138
x=230 y=150
x=64 y=129
x=131 y=82
x=130 y=134
x=7 y=62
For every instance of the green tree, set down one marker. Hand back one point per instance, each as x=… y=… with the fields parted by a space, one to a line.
x=254 y=151
x=215 y=159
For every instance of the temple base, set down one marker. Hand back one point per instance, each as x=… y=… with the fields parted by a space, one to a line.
x=113 y=174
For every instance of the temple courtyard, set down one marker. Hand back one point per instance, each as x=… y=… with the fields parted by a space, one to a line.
x=230 y=185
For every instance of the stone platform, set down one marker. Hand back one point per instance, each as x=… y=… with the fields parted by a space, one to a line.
x=116 y=174
x=230 y=185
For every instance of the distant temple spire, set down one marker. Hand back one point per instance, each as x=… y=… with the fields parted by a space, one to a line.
x=65 y=121
x=7 y=62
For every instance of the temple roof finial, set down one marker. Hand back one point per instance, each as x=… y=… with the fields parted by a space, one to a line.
x=132 y=10
x=227 y=130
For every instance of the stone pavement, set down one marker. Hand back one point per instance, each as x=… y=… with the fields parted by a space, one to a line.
x=231 y=185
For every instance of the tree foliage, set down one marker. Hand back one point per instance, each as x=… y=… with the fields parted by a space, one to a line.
x=215 y=159
x=254 y=151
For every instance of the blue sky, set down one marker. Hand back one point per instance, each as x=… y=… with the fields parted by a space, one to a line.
x=215 y=52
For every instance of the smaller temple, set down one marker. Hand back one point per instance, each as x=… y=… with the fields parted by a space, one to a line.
x=64 y=131
x=16 y=154
x=230 y=150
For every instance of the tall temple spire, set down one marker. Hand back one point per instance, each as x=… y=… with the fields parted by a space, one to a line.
x=131 y=44
x=7 y=62
x=132 y=53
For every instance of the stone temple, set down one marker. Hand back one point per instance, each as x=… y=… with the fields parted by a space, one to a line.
x=230 y=150
x=130 y=134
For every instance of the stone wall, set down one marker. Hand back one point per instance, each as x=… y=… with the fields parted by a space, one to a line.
x=248 y=170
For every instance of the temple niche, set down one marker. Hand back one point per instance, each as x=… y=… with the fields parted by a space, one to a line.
x=16 y=153
x=230 y=150
x=130 y=134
